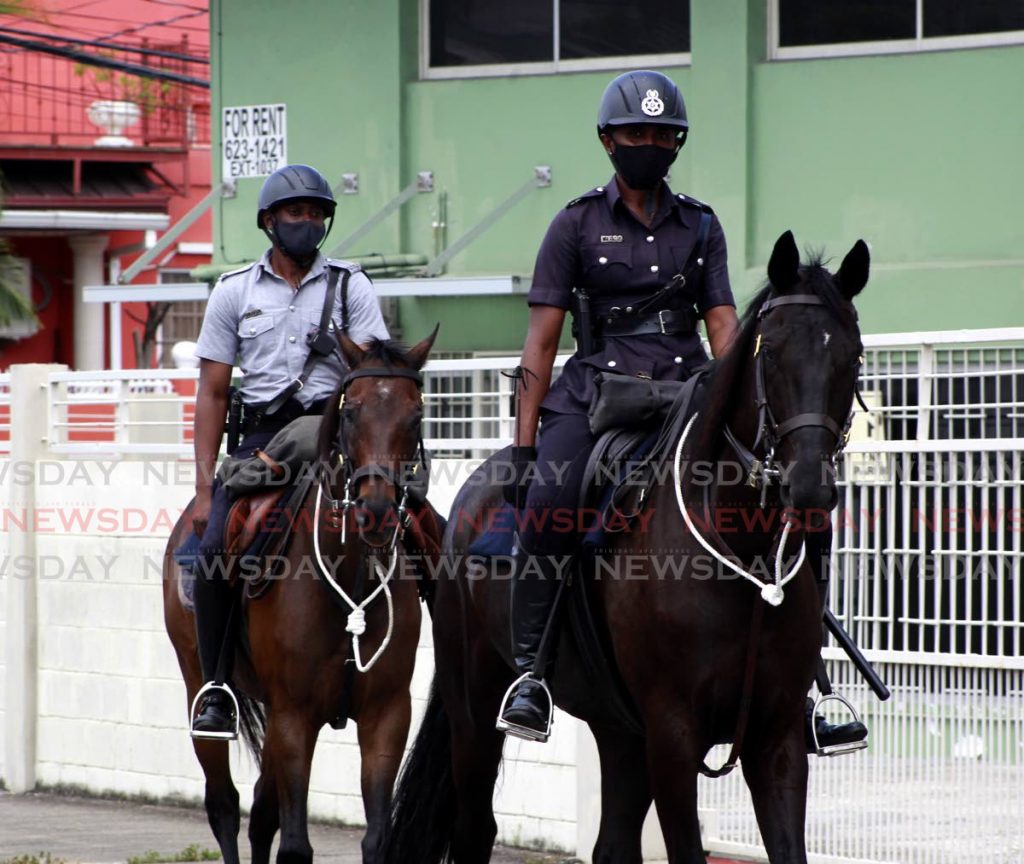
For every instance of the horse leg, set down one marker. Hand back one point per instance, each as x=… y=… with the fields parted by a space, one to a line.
x=476 y=755
x=625 y=797
x=382 y=730
x=221 y=796
x=672 y=763
x=287 y=758
x=264 y=818
x=777 y=778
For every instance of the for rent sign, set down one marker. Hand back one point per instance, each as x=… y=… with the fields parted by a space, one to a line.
x=255 y=140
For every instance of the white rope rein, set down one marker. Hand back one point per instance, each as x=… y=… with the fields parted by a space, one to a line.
x=771 y=591
x=356 y=624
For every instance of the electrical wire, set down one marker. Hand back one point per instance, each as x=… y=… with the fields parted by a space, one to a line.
x=105 y=62
x=97 y=43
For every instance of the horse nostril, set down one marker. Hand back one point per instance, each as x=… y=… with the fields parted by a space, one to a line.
x=363 y=516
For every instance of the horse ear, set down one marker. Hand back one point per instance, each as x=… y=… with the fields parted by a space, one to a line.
x=417 y=355
x=853 y=272
x=784 y=265
x=352 y=353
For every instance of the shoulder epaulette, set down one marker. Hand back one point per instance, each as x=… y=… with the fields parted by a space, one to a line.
x=597 y=192
x=693 y=202
x=339 y=264
x=237 y=271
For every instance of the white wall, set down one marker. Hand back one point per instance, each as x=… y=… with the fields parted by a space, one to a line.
x=111 y=711
x=4 y=575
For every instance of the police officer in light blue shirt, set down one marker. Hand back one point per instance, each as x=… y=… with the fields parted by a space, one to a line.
x=267 y=317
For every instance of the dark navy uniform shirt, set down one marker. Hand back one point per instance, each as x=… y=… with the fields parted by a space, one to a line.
x=595 y=243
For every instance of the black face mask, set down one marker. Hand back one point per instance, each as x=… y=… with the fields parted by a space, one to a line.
x=644 y=166
x=299 y=240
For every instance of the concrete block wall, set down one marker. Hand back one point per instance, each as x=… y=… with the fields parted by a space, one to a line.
x=111 y=703
x=4 y=576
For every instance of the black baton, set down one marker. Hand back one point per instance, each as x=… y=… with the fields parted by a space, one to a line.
x=862 y=663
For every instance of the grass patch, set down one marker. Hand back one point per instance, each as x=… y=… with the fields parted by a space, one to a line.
x=41 y=858
x=192 y=852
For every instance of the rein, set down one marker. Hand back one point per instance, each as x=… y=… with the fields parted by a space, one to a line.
x=406 y=486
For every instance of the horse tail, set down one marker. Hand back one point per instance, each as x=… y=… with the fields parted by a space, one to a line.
x=423 y=807
x=252 y=718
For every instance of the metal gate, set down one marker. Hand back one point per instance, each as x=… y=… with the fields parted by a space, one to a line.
x=927 y=578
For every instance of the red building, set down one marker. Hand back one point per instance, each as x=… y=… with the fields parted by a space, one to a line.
x=97 y=163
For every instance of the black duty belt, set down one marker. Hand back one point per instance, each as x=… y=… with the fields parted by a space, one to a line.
x=255 y=420
x=666 y=322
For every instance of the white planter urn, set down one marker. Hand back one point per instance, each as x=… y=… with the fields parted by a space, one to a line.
x=113 y=117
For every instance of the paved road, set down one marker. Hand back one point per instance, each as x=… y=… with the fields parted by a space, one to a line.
x=94 y=830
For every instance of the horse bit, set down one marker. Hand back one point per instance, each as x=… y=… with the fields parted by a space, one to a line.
x=414 y=482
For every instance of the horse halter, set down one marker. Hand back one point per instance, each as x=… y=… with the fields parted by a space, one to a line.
x=411 y=484
x=761 y=472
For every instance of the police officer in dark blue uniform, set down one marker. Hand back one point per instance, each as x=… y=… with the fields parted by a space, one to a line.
x=608 y=257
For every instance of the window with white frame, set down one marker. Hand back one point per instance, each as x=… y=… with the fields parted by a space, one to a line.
x=817 y=28
x=463 y=38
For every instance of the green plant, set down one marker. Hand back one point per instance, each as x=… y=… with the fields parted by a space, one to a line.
x=41 y=858
x=192 y=852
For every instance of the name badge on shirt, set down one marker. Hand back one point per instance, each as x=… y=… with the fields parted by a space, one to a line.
x=611 y=238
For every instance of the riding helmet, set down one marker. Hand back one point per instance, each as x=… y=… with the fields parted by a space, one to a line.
x=291 y=183
x=642 y=96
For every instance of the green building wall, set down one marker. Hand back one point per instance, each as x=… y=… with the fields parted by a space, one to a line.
x=919 y=154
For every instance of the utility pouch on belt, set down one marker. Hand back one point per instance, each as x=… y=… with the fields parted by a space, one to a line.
x=625 y=402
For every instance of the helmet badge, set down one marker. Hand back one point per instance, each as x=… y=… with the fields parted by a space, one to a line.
x=652 y=106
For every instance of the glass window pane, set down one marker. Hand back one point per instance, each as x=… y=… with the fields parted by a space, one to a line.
x=475 y=32
x=611 y=28
x=824 y=22
x=958 y=18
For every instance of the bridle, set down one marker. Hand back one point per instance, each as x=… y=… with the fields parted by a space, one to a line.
x=413 y=480
x=761 y=472
x=411 y=485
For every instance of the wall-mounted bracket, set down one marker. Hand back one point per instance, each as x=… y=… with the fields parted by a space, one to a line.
x=540 y=180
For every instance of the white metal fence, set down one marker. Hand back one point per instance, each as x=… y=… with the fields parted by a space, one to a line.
x=926 y=577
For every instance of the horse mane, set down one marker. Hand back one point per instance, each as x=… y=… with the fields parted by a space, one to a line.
x=390 y=353
x=725 y=373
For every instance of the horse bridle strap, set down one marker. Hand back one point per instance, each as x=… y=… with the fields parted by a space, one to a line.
x=768 y=429
x=381 y=372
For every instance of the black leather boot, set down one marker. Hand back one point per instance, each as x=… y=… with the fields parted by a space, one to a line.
x=213 y=598
x=527 y=711
x=215 y=717
x=833 y=738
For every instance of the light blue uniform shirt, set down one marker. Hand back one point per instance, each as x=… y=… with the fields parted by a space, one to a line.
x=256 y=317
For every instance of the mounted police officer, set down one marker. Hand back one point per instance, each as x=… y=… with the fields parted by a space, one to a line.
x=610 y=257
x=278 y=319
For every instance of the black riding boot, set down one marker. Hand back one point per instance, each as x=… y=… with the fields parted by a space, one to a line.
x=534 y=590
x=213 y=599
x=829 y=735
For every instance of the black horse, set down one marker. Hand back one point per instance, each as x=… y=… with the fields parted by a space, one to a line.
x=707 y=655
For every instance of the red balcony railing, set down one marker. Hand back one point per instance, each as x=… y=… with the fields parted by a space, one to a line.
x=45 y=100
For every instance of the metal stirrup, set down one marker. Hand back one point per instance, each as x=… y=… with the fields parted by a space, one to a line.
x=525 y=732
x=223 y=736
x=835 y=749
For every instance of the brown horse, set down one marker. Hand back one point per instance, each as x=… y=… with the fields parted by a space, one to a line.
x=705 y=656
x=295 y=642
